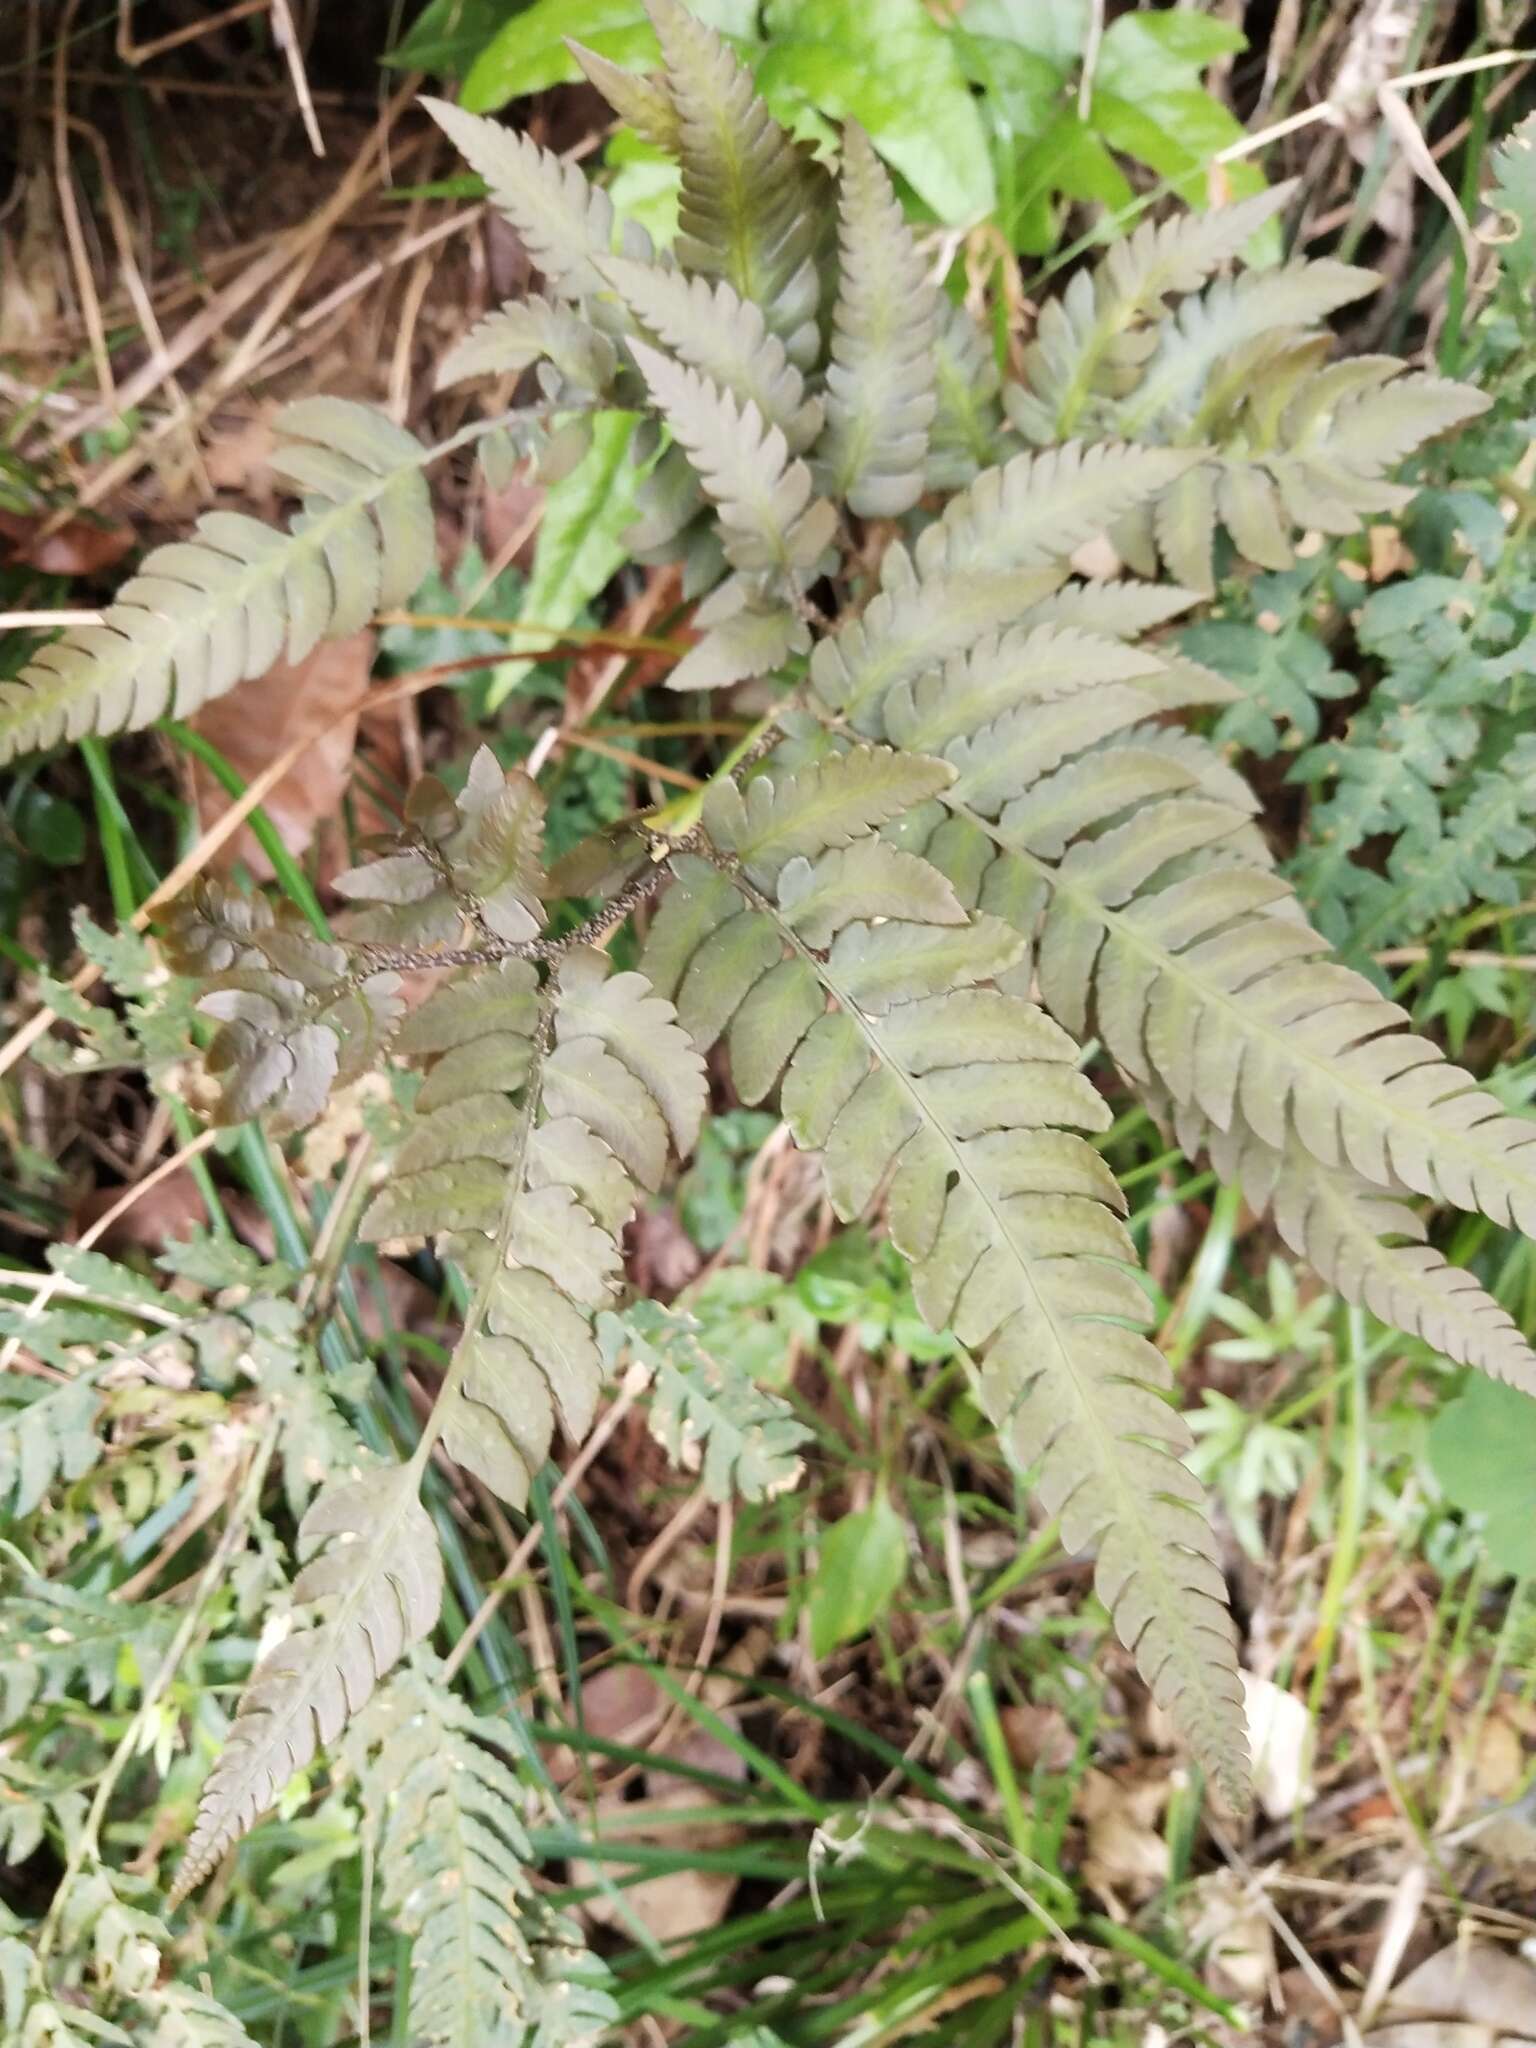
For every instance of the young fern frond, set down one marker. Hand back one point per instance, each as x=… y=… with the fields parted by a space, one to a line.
x=751 y=203
x=966 y=1099
x=202 y=615
x=880 y=380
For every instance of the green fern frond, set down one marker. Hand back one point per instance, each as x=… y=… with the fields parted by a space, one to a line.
x=54 y=1640
x=959 y=1093
x=750 y=203
x=454 y=1856
x=48 y=1435
x=374 y=1573
x=880 y=381
x=202 y=615
x=707 y=1412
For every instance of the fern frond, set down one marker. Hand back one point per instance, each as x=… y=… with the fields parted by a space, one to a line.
x=54 y=1640
x=373 y=1570
x=565 y=220
x=821 y=805
x=1158 y=921
x=185 y=2018
x=750 y=202
x=959 y=1093
x=528 y=1195
x=966 y=428
x=710 y=328
x=294 y=1021
x=532 y=330
x=768 y=516
x=1000 y=548
x=707 y=1412
x=204 y=614
x=754 y=639
x=1093 y=339
x=1371 y=1246
x=880 y=381
x=1228 y=315
x=454 y=1856
x=47 y=1437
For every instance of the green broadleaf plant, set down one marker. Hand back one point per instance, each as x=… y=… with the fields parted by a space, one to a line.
x=973 y=833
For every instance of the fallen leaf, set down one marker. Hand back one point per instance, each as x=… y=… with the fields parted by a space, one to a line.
x=1390 y=556
x=1229 y=1923
x=172 y=1208
x=313 y=700
x=1472 y=1983
x=1499 y=1764
x=1125 y=1852
x=1283 y=1739
x=81 y=547
x=1038 y=1735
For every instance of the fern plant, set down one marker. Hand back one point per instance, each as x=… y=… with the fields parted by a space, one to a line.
x=973 y=832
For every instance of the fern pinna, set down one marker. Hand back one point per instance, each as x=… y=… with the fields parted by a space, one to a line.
x=975 y=832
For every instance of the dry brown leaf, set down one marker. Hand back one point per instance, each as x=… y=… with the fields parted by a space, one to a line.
x=173 y=1208
x=1038 y=1735
x=1472 y=1983
x=1126 y=1853
x=1499 y=1764
x=1229 y=1923
x=308 y=700
x=1390 y=554
x=81 y=547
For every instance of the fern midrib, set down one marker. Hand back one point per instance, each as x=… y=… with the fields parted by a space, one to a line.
x=1439 y=1139
x=868 y=366
x=1170 y=1606
x=464 y=1920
